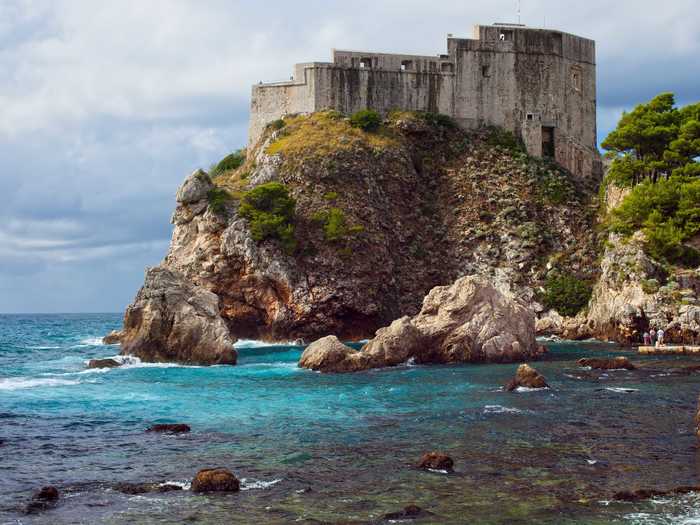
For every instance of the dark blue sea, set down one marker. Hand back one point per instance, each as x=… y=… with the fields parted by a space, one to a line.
x=313 y=448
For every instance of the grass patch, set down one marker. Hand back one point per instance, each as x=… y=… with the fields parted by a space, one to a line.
x=230 y=162
x=335 y=225
x=502 y=138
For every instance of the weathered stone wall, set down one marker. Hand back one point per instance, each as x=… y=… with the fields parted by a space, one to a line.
x=521 y=79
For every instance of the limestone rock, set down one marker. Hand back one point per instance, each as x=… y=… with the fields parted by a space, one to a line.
x=195 y=188
x=215 y=480
x=614 y=363
x=113 y=338
x=527 y=377
x=134 y=489
x=328 y=354
x=436 y=461
x=44 y=499
x=104 y=363
x=172 y=320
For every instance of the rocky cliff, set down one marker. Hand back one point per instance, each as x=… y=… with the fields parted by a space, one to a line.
x=380 y=219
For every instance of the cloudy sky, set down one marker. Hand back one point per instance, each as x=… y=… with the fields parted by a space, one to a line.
x=106 y=106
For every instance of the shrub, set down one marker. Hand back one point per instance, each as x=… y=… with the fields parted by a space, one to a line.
x=566 y=294
x=502 y=138
x=218 y=198
x=330 y=196
x=270 y=210
x=366 y=119
x=554 y=185
x=438 y=119
x=229 y=162
x=335 y=227
x=276 y=124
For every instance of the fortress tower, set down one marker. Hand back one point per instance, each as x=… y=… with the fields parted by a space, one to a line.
x=538 y=83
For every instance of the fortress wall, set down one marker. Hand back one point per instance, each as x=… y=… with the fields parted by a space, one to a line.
x=270 y=102
x=350 y=90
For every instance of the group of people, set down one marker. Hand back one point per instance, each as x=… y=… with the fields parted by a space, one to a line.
x=654 y=338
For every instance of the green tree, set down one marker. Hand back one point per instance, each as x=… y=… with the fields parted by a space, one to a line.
x=655 y=140
x=366 y=120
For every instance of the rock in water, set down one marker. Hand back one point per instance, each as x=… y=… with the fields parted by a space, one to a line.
x=171 y=428
x=409 y=512
x=470 y=322
x=172 y=320
x=328 y=354
x=527 y=377
x=215 y=480
x=613 y=363
x=113 y=338
x=45 y=499
x=103 y=363
x=436 y=461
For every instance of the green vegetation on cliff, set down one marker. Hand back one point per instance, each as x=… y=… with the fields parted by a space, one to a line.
x=366 y=119
x=566 y=294
x=655 y=150
x=229 y=163
x=270 y=210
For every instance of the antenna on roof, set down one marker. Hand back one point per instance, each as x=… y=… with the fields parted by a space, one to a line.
x=518 y=11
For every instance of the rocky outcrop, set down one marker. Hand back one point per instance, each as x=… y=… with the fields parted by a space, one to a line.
x=614 y=363
x=113 y=338
x=423 y=203
x=134 y=489
x=172 y=320
x=467 y=322
x=215 y=480
x=526 y=377
x=633 y=295
x=169 y=428
x=436 y=461
x=104 y=363
x=642 y=494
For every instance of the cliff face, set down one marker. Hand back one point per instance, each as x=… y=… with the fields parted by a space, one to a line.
x=419 y=203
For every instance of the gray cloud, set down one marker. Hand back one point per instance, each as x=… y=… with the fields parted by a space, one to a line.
x=106 y=106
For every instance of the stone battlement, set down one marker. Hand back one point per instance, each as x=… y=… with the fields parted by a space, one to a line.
x=538 y=83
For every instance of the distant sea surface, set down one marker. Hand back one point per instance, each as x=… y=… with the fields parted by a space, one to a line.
x=313 y=448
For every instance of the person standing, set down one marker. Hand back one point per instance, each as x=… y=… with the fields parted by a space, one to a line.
x=647 y=339
x=652 y=335
x=660 y=337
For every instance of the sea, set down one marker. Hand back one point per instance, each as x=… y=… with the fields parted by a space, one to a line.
x=321 y=448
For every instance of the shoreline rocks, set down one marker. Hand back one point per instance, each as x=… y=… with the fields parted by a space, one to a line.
x=45 y=499
x=113 y=338
x=134 y=489
x=172 y=320
x=528 y=377
x=215 y=480
x=468 y=322
x=104 y=363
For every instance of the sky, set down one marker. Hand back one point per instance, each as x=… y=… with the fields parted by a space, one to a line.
x=105 y=107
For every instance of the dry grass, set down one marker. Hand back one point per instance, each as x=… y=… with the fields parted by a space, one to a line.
x=324 y=133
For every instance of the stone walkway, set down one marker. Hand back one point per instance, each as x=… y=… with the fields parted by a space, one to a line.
x=669 y=349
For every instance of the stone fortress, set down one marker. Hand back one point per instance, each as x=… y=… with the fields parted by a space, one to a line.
x=538 y=83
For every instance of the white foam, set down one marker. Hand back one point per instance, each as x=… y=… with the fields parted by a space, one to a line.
x=19 y=383
x=184 y=485
x=257 y=484
x=499 y=409
x=591 y=461
x=622 y=390
x=438 y=471
x=252 y=343
x=91 y=341
x=130 y=361
x=528 y=389
x=39 y=347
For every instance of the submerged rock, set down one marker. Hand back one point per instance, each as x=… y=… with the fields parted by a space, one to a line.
x=215 y=480
x=436 y=461
x=104 y=363
x=328 y=354
x=409 y=512
x=45 y=499
x=527 y=377
x=172 y=320
x=613 y=363
x=113 y=338
x=469 y=321
x=642 y=494
x=145 y=488
x=171 y=428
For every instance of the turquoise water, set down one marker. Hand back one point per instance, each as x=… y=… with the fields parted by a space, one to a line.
x=316 y=448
